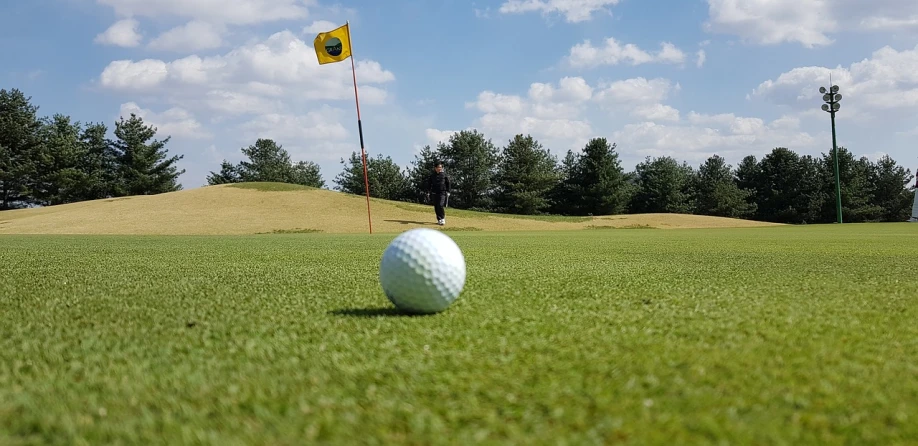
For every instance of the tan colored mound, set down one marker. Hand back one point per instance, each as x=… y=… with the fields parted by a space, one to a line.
x=230 y=209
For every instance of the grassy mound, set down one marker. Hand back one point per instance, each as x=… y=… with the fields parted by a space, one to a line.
x=258 y=208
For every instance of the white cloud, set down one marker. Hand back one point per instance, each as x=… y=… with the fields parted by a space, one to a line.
x=192 y=36
x=550 y=112
x=807 y=22
x=730 y=136
x=632 y=113
x=281 y=64
x=323 y=125
x=639 y=90
x=574 y=11
x=435 y=136
x=670 y=54
x=879 y=87
x=656 y=113
x=140 y=75
x=271 y=87
x=700 y=58
x=123 y=33
x=231 y=12
x=489 y=102
x=176 y=122
x=612 y=52
x=320 y=26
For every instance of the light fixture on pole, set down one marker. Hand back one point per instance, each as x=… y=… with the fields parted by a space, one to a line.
x=831 y=98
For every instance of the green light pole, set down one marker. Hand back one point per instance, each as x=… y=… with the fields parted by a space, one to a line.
x=831 y=105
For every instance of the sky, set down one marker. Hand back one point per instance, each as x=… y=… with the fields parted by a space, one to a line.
x=687 y=79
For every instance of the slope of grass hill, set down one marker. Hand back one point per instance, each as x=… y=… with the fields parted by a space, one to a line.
x=254 y=208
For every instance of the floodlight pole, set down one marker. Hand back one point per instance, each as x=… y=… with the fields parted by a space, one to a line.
x=832 y=98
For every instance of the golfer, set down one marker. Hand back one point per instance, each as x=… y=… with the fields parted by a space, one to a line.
x=438 y=184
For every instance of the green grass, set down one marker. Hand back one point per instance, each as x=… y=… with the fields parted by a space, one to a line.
x=787 y=335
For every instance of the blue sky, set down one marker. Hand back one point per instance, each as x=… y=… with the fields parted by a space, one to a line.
x=217 y=74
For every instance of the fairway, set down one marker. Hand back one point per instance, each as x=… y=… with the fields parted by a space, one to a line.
x=786 y=335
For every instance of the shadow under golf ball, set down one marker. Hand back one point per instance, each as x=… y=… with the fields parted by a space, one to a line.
x=378 y=312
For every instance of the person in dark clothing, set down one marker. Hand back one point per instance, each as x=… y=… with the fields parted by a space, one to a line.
x=438 y=185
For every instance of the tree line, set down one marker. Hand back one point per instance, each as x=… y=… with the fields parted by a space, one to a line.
x=523 y=177
x=53 y=160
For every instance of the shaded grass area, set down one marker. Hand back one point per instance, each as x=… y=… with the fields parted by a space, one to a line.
x=783 y=335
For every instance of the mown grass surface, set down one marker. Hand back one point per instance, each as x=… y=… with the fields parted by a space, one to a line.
x=784 y=335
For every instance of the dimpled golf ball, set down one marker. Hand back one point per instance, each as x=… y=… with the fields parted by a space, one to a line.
x=422 y=271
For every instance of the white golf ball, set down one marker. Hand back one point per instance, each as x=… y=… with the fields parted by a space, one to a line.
x=422 y=271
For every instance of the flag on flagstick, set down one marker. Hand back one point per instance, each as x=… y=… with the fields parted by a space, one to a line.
x=335 y=46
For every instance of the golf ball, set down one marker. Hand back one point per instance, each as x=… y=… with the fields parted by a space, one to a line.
x=422 y=271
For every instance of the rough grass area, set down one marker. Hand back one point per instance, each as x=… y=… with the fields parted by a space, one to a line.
x=788 y=335
x=257 y=208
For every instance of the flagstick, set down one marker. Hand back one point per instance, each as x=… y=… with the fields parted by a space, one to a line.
x=363 y=152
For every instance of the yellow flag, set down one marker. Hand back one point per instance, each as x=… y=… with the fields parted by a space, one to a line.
x=333 y=46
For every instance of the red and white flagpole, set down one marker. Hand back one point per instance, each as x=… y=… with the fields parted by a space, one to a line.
x=366 y=180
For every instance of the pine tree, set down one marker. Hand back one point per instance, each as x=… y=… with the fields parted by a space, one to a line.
x=470 y=160
x=143 y=164
x=20 y=146
x=421 y=168
x=717 y=192
x=594 y=181
x=526 y=174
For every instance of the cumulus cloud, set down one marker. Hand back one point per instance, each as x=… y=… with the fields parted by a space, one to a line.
x=656 y=113
x=192 y=36
x=435 y=136
x=633 y=113
x=636 y=90
x=175 y=122
x=280 y=65
x=323 y=124
x=123 y=33
x=810 y=23
x=574 y=11
x=727 y=135
x=549 y=111
x=882 y=86
x=613 y=52
x=232 y=12
x=271 y=88
x=320 y=26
